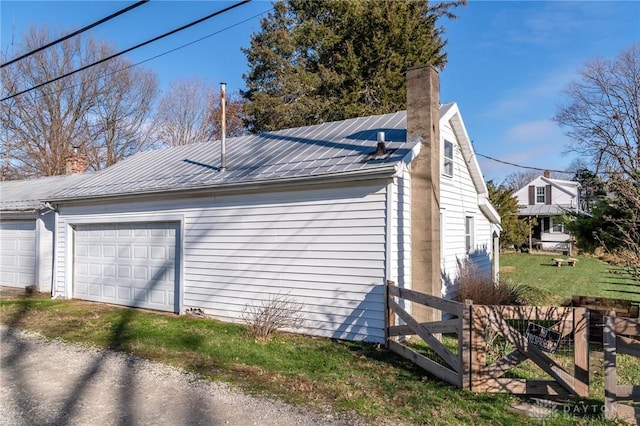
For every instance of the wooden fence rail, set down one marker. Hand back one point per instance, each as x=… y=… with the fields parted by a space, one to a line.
x=620 y=336
x=454 y=369
x=498 y=319
x=468 y=368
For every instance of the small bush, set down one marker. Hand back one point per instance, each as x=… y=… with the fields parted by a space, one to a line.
x=483 y=291
x=276 y=312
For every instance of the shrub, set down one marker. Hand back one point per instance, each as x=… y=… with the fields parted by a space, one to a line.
x=278 y=311
x=483 y=291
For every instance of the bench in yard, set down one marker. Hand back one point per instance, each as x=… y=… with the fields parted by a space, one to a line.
x=569 y=261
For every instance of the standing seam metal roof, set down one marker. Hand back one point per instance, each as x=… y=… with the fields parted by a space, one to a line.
x=321 y=150
x=28 y=195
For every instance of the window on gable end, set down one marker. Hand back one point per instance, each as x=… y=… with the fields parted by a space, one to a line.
x=447 y=167
x=540 y=194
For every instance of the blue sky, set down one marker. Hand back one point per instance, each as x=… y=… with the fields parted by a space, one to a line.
x=508 y=60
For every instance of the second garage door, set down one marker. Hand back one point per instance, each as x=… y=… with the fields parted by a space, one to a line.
x=132 y=264
x=18 y=253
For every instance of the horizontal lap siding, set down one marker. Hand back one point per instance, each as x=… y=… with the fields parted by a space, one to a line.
x=458 y=199
x=401 y=232
x=325 y=249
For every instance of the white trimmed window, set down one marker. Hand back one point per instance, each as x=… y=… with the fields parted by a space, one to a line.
x=447 y=166
x=469 y=234
x=557 y=225
x=541 y=195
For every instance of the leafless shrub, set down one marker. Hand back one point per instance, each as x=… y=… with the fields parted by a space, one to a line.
x=483 y=291
x=278 y=311
x=480 y=288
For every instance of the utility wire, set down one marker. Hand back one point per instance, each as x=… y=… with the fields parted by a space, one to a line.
x=164 y=53
x=521 y=166
x=219 y=12
x=75 y=33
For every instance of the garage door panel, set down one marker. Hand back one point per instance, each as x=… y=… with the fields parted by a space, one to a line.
x=127 y=264
x=18 y=253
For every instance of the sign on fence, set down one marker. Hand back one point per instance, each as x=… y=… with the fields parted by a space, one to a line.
x=543 y=337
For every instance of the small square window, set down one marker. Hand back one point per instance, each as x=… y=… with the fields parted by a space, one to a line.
x=448 y=158
x=557 y=225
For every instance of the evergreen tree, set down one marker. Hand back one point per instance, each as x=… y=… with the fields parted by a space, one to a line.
x=514 y=229
x=317 y=61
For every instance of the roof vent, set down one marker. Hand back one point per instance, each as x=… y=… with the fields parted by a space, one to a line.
x=382 y=152
x=381 y=149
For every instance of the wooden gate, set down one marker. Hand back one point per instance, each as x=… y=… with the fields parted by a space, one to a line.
x=464 y=363
x=447 y=365
x=531 y=340
x=620 y=337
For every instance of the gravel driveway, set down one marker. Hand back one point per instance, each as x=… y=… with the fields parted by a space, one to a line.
x=53 y=383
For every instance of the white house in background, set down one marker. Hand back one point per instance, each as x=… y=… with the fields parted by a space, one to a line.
x=27 y=226
x=325 y=214
x=547 y=199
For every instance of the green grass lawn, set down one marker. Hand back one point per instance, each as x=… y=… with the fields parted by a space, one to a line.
x=590 y=277
x=346 y=376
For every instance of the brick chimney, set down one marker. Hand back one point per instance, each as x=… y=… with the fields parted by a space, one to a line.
x=423 y=125
x=76 y=162
x=547 y=174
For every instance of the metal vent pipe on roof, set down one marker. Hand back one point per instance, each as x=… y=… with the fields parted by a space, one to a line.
x=223 y=126
x=381 y=149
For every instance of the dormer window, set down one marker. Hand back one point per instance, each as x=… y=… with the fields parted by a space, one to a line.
x=447 y=167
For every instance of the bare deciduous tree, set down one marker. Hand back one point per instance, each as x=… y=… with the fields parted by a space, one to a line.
x=603 y=118
x=182 y=113
x=602 y=113
x=41 y=127
x=120 y=121
x=235 y=116
x=517 y=180
x=190 y=112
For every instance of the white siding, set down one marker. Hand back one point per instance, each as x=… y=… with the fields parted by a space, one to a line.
x=322 y=247
x=400 y=265
x=45 y=231
x=459 y=199
x=563 y=193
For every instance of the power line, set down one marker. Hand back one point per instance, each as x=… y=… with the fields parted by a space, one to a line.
x=166 y=52
x=521 y=166
x=75 y=33
x=219 y=12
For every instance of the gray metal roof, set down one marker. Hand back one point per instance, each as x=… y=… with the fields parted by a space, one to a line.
x=324 y=150
x=544 y=210
x=28 y=195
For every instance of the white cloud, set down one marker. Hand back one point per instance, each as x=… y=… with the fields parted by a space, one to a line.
x=545 y=91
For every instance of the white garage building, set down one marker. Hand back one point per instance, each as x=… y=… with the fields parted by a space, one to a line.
x=316 y=213
x=27 y=226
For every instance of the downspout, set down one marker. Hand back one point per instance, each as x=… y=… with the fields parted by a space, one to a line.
x=387 y=267
x=54 y=270
x=223 y=127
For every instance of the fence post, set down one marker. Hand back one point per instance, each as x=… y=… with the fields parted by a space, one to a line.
x=478 y=345
x=610 y=373
x=464 y=345
x=390 y=318
x=581 y=351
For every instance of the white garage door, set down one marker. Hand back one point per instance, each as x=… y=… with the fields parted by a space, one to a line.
x=18 y=253
x=132 y=264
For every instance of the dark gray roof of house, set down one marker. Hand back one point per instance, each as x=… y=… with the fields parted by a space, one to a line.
x=545 y=210
x=28 y=195
x=324 y=150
